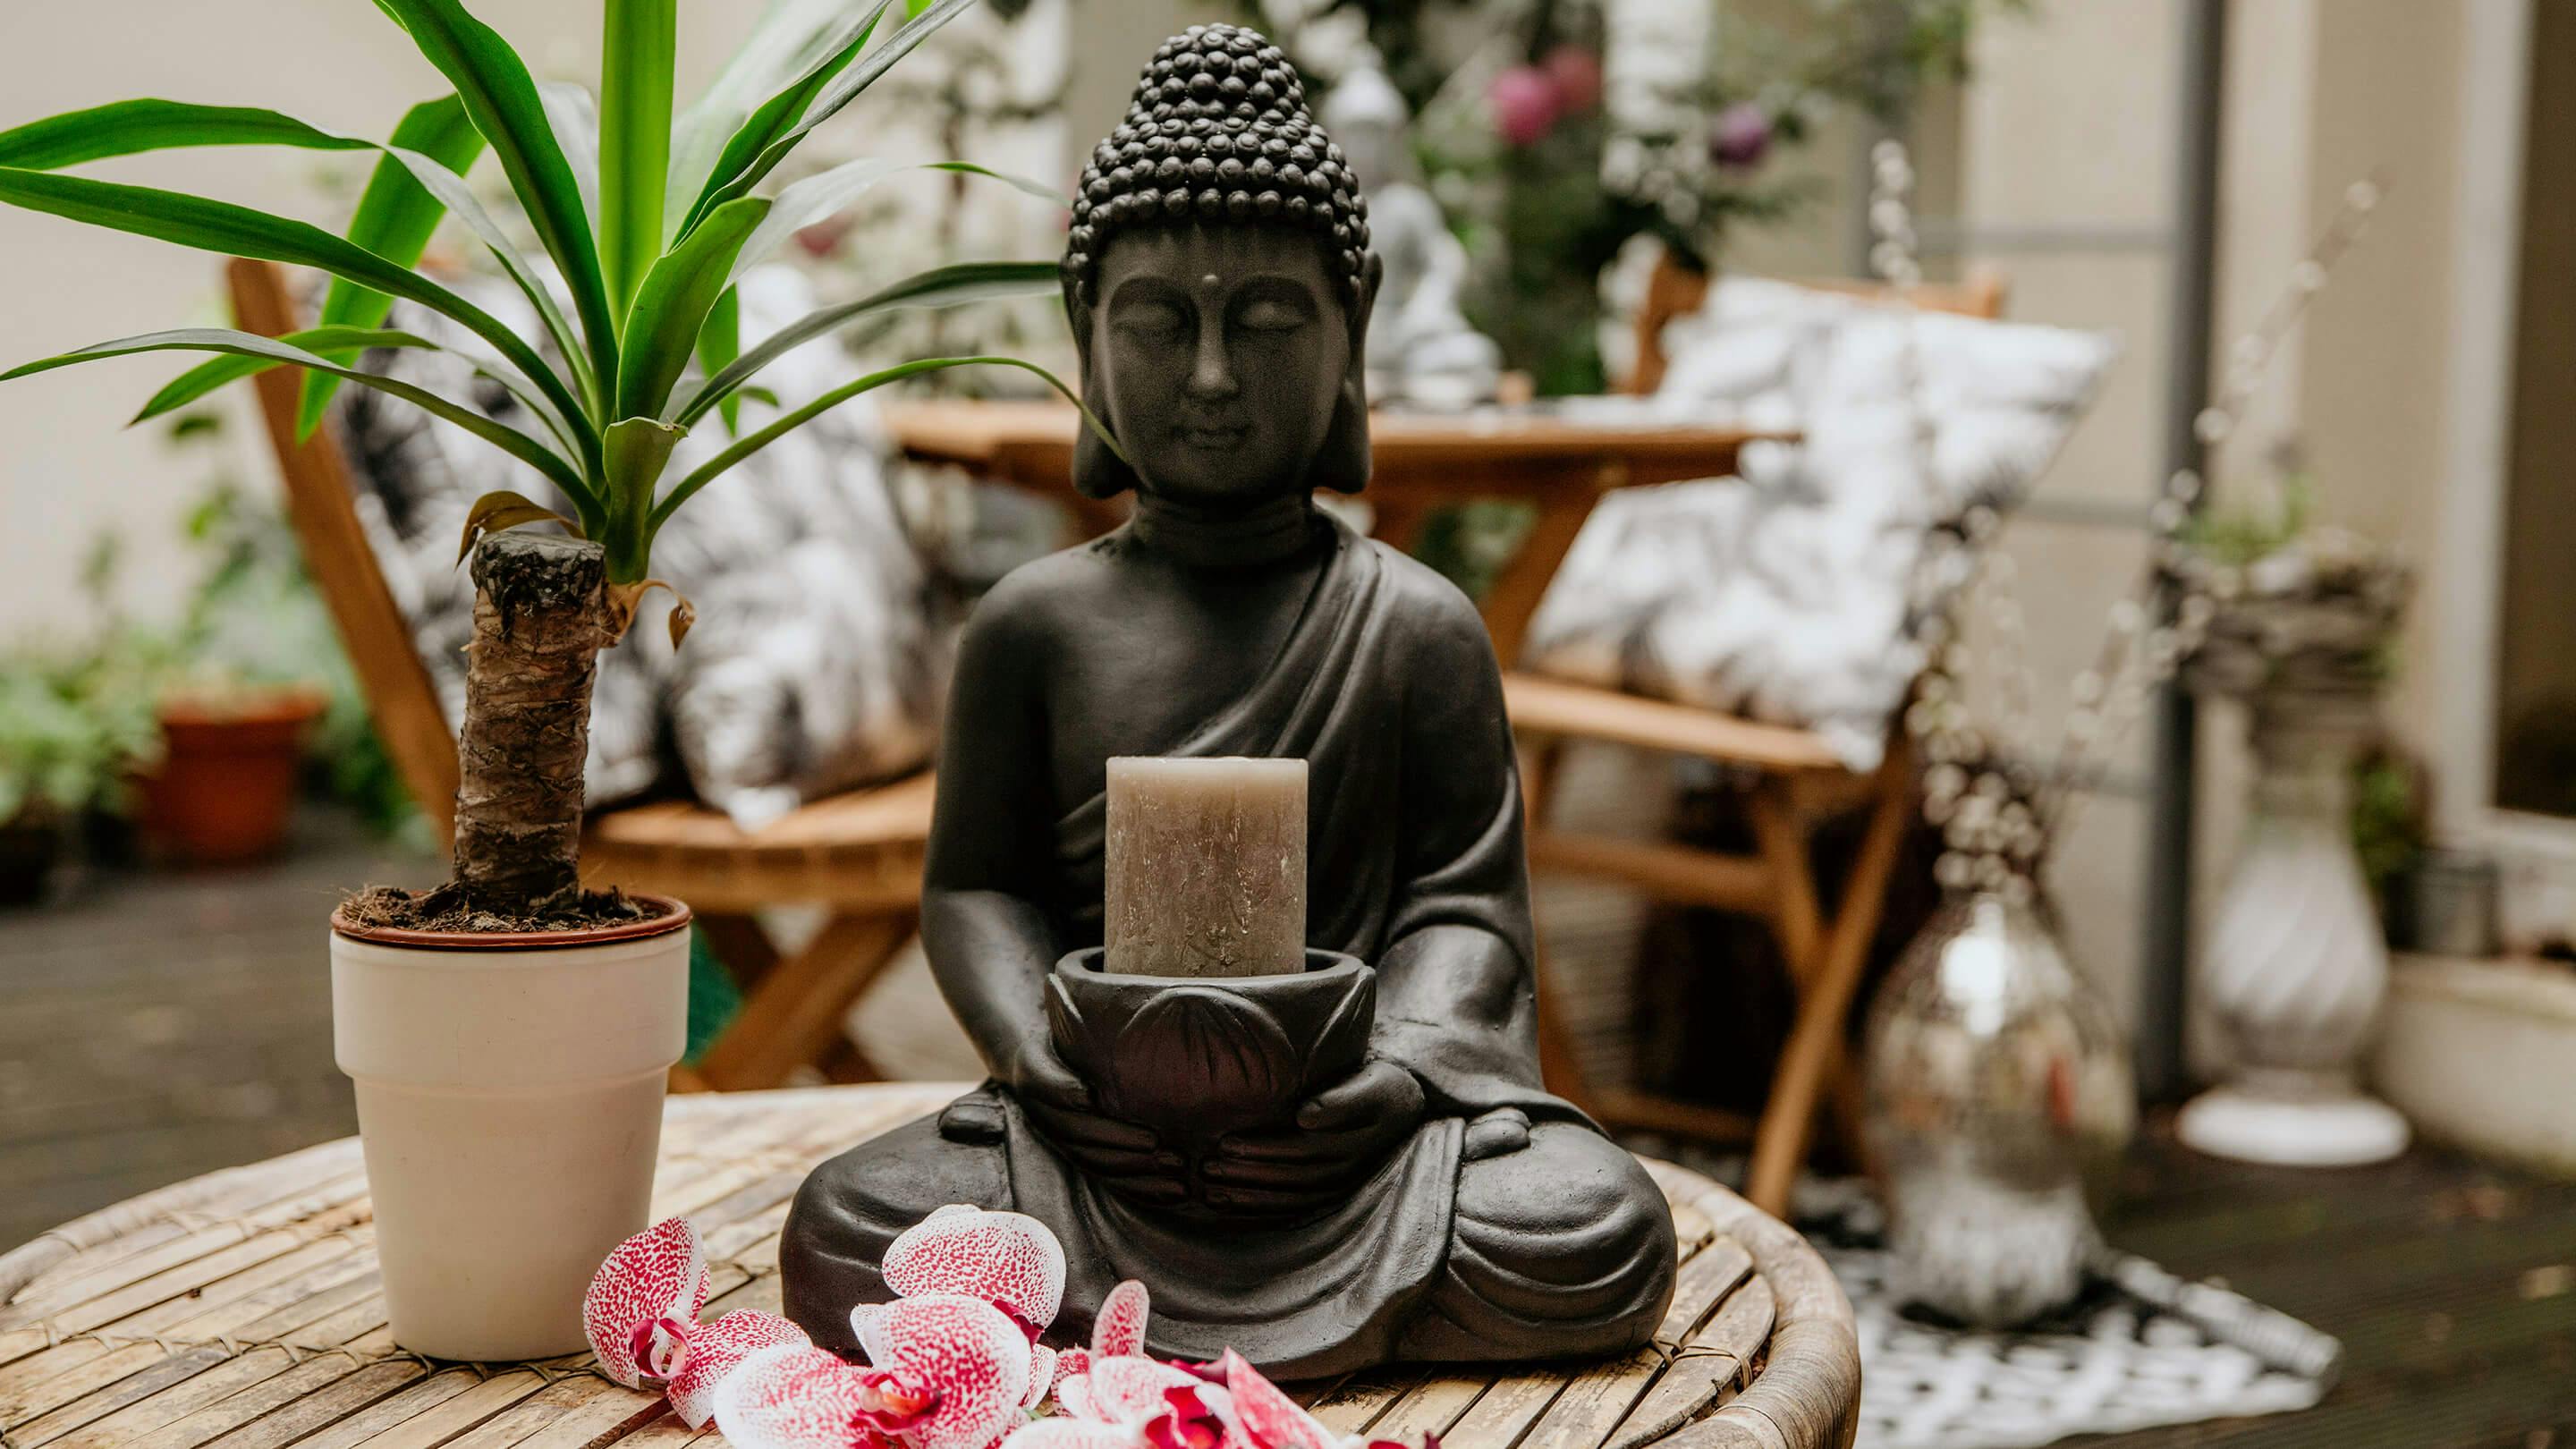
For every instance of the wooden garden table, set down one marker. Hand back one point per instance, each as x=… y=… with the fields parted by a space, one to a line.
x=240 y=1311
x=1423 y=462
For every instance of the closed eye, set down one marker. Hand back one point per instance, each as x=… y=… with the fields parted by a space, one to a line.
x=1159 y=319
x=1269 y=314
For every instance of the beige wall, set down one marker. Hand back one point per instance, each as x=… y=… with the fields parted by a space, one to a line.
x=2319 y=94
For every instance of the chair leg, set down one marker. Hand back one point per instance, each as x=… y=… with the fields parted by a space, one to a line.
x=794 y=1016
x=1815 y=1041
x=1780 y=830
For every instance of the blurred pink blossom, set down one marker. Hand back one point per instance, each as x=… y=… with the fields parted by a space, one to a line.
x=1741 y=136
x=1576 y=73
x=1524 y=99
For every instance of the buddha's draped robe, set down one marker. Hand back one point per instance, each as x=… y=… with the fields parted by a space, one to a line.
x=1415 y=865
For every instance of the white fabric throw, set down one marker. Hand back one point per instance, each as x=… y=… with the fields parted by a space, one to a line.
x=1782 y=595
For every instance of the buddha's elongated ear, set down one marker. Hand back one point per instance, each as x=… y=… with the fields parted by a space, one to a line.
x=1097 y=472
x=1342 y=463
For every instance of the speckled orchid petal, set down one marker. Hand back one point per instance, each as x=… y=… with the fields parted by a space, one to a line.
x=1041 y=1376
x=1264 y=1415
x=1068 y=1364
x=716 y=1350
x=966 y=1352
x=1127 y=1390
x=1119 y=1331
x=1010 y=1260
x=643 y=1303
x=793 y=1397
x=1071 y=1434
x=867 y=1325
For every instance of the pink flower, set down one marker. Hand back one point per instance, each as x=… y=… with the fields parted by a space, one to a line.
x=1119 y=1330
x=1576 y=74
x=1525 y=105
x=1009 y=1260
x=1265 y=1417
x=1740 y=137
x=644 y=1300
x=944 y=1371
x=719 y=1348
x=1133 y=1402
x=641 y=1315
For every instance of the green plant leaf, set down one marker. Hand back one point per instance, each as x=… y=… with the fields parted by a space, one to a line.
x=572 y=113
x=250 y=344
x=127 y=128
x=395 y=219
x=939 y=287
x=838 y=92
x=336 y=343
x=719 y=343
x=638 y=450
x=501 y=508
x=396 y=211
x=640 y=47
x=229 y=230
x=795 y=44
x=716 y=466
x=726 y=132
x=662 y=332
x=827 y=193
x=493 y=83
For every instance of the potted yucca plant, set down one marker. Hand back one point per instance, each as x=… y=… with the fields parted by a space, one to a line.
x=507 y=1032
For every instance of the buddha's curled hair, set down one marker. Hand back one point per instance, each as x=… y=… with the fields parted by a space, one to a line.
x=1218 y=133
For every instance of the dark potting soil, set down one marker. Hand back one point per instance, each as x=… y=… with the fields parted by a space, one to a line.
x=447 y=908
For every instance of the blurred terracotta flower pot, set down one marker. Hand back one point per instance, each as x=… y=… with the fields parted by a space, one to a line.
x=509 y=1094
x=225 y=787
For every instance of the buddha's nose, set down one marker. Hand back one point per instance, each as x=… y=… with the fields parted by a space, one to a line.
x=1212 y=375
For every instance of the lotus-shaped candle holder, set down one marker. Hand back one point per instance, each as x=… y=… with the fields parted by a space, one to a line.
x=1195 y=1058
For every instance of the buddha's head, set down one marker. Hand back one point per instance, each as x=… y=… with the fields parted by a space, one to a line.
x=1219 y=281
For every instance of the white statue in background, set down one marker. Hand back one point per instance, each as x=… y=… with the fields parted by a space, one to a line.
x=1420 y=346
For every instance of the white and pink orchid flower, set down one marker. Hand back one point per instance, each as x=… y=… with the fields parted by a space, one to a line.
x=944 y=1371
x=641 y=1315
x=1118 y=1331
x=1133 y=1402
x=644 y=1300
x=1010 y=1260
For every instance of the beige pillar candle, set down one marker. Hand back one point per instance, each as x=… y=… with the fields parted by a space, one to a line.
x=1206 y=867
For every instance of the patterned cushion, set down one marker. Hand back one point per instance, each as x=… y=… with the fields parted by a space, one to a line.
x=819 y=658
x=1782 y=595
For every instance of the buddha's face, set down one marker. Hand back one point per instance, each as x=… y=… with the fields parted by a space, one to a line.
x=1218 y=352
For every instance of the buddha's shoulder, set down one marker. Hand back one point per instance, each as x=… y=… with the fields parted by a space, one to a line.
x=1428 y=606
x=1041 y=599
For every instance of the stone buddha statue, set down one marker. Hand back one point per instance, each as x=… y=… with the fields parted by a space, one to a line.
x=1429 y=1200
x=1421 y=347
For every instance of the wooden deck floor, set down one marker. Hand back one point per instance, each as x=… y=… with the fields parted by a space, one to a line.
x=160 y=1026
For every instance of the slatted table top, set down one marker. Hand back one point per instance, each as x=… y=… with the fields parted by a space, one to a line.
x=240 y=1311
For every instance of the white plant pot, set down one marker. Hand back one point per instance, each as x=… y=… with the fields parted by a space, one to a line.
x=510 y=1102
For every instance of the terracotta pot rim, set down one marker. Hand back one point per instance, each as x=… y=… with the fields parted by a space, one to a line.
x=285 y=704
x=675 y=916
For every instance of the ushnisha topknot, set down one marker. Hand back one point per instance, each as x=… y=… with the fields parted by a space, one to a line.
x=1218 y=133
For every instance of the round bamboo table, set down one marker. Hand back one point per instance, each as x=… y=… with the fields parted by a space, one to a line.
x=240 y=1311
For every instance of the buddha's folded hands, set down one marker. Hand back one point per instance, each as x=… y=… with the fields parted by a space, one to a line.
x=1338 y=1139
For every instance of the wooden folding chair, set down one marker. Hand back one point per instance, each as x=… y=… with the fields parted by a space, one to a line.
x=1800 y=785
x=858 y=855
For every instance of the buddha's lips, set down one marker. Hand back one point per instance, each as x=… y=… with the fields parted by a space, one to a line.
x=1214 y=437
